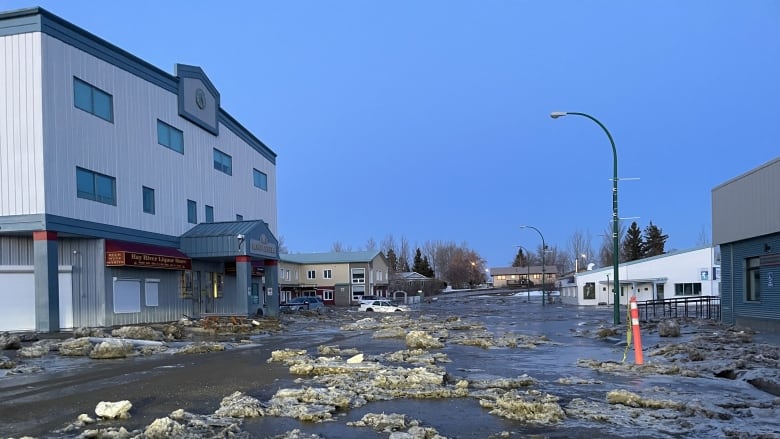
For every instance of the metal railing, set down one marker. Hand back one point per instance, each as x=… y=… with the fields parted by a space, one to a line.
x=699 y=307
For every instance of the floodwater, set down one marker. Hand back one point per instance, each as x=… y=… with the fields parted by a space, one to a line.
x=39 y=404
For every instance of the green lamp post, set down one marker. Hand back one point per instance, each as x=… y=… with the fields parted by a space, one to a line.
x=615 y=225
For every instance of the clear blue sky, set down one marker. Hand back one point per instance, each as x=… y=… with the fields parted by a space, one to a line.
x=430 y=119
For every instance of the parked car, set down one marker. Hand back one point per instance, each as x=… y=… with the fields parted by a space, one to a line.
x=305 y=303
x=381 y=306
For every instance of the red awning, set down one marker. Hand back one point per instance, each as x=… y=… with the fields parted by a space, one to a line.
x=123 y=253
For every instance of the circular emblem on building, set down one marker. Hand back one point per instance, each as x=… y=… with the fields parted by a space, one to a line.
x=200 y=98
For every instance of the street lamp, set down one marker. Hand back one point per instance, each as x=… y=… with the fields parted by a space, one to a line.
x=544 y=248
x=528 y=274
x=615 y=227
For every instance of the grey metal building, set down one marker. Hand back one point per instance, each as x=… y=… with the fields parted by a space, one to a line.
x=127 y=193
x=746 y=226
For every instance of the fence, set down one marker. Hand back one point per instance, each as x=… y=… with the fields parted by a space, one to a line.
x=703 y=307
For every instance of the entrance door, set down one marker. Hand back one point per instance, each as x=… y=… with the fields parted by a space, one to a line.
x=659 y=288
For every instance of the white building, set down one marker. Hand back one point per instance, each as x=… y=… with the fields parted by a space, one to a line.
x=687 y=273
x=108 y=167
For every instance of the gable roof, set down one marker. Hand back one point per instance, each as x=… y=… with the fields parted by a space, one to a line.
x=330 y=257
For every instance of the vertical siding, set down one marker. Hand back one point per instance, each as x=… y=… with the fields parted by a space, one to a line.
x=733 y=282
x=16 y=250
x=86 y=256
x=127 y=149
x=21 y=172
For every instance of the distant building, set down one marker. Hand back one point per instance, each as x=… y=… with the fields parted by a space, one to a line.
x=127 y=194
x=521 y=277
x=687 y=273
x=339 y=278
x=746 y=226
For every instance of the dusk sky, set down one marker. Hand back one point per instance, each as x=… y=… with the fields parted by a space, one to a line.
x=429 y=120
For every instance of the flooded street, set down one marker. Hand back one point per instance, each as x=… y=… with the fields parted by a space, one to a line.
x=566 y=379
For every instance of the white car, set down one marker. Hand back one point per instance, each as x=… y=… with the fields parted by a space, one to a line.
x=381 y=306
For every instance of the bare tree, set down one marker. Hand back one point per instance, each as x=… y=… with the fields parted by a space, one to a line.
x=338 y=247
x=404 y=253
x=704 y=237
x=370 y=244
x=580 y=244
x=429 y=250
x=282 y=247
x=605 y=252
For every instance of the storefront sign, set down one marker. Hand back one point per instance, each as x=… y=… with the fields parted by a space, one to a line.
x=133 y=259
x=262 y=246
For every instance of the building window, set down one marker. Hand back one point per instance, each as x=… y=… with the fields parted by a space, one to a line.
x=192 y=212
x=170 y=137
x=327 y=274
x=753 y=279
x=148 y=197
x=589 y=290
x=358 y=275
x=311 y=274
x=327 y=294
x=239 y=217
x=687 y=289
x=261 y=179
x=93 y=100
x=217 y=282
x=285 y=274
x=96 y=187
x=209 y=214
x=223 y=162
x=185 y=284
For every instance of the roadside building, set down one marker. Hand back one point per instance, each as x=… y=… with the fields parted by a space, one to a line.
x=127 y=194
x=339 y=278
x=685 y=273
x=523 y=277
x=746 y=226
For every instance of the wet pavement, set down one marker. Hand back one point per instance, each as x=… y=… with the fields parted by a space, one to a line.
x=559 y=358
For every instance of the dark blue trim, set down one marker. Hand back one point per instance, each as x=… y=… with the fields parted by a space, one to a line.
x=40 y=20
x=245 y=135
x=11 y=24
x=69 y=226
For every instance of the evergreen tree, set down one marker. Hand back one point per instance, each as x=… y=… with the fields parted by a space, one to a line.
x=633 y=247
x=655 y=240
x=417 y=266
x=521 y=260
x=426 y=268
x=392 y=261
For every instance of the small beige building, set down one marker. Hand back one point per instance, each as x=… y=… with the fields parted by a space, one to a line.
x=522 y=277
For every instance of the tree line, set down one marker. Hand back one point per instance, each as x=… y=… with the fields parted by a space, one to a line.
x=634 y=244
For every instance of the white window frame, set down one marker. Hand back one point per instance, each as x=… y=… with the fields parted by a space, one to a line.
x=359 y=280
x=311 y=274
x=327 y=273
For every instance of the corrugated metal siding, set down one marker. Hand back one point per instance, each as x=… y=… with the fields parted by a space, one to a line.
x=16 y=250
x=747 y=206
x=21 y=170
x=733 y=280
x=127 y=149
x=171 y=305
x=86 y=256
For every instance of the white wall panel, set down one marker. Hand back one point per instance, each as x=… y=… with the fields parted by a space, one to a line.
x=18 y=298
x=127 y=149
x=21 y=172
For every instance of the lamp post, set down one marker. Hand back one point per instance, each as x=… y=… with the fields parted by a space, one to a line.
x=528 y=274
x=615 y=227
x=544 y=248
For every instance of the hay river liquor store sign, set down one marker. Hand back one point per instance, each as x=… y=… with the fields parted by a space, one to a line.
x=132 y=259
